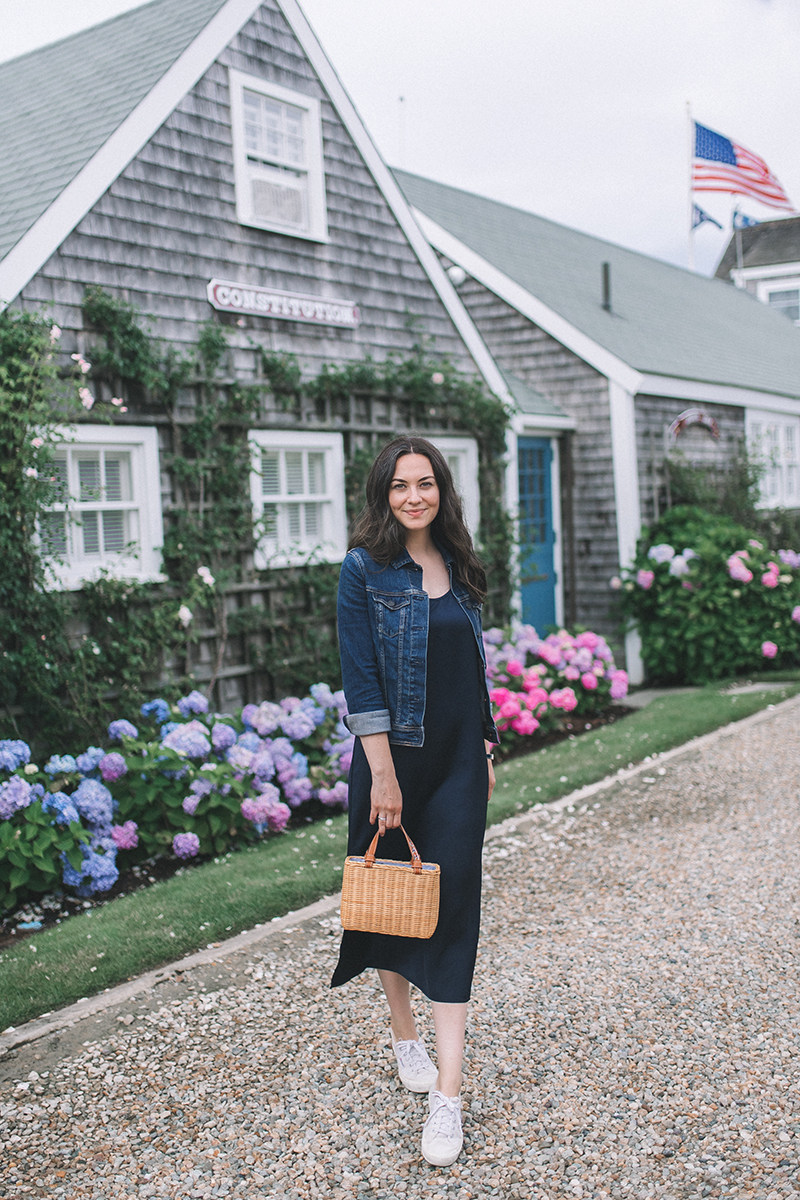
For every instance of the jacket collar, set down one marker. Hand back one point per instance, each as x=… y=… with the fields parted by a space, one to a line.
x=404 y=559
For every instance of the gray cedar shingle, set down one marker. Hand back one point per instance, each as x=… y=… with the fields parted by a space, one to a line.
x=665 y=320
x=765 y=244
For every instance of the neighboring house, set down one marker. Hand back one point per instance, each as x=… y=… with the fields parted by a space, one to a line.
x=200 y=157
x=632 y=354
x=764 y=259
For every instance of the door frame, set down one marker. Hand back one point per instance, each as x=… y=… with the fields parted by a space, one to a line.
x=520 y=427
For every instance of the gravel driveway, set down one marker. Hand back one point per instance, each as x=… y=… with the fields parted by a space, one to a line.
x=634 y=1031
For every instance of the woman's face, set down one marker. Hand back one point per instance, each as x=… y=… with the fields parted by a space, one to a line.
x=413 y=493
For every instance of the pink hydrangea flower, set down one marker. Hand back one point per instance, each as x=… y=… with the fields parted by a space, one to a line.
x=737 y=569
x=572 y=673
x=499 y=695
x=770 y=576
x=510 y=708
x=525 y=724
x=514 y=667
x=769 y=649
x=336 y=795
x=619 y=685
x=125 y=836
x=796 y=614
x=563 y=698
x=112 y=767
x=536 y=696
x=589 y=681
x=645 y=579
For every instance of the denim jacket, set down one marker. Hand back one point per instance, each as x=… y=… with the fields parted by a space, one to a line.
x=383 y=641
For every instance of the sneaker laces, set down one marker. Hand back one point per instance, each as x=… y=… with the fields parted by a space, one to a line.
x=412 y=1055
x=445 y=1118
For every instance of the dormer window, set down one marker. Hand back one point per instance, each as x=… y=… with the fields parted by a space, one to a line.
x=277 y=143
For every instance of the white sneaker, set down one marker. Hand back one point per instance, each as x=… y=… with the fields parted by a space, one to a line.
x=416 y=1070
x=442 y=1137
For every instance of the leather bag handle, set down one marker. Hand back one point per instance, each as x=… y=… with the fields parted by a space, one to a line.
x=416 y=861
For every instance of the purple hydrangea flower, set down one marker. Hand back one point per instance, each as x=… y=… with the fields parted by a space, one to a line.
x=290 y=703
x=335 y=795
x=190 y=804
x=158 y=709
x=201 y=787
x=125 y=836
x=113 y=767
x=118 y=730
x=222 y=736
x=63 y=765
x=94 y=802
x=14 y=753
x=263 y=765
x=191 y=740
x=266 y=718
x=186 y=845
x=15 y=793
x=195 y=702
x=323 y=695
x=239 y=757
x=248 y=713
x=266 y=811
x=89 y=760
x=298 y=724
x=789 y=558
x=251 y=741
x=97 y=872
x=281 y=749
x=61 y=805
x=297 y=791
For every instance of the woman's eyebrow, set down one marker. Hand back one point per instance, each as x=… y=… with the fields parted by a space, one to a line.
x=422 y=479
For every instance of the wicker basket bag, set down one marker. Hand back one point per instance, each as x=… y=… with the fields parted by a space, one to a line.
x=380 y=895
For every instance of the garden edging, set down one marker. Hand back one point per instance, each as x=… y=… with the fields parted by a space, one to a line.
x=67 y=1017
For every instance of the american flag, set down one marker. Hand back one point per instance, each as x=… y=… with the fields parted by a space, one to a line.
x=721 y=165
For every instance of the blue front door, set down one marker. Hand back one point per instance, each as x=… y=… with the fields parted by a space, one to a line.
x=536 y=534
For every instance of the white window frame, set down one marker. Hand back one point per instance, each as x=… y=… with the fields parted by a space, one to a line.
x=773 y=439
x=316 y=227
x=766 y=287
x=465 y=451
x=143 y=564
x=332 y=544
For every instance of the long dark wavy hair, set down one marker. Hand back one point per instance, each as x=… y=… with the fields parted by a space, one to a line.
x=379 y=532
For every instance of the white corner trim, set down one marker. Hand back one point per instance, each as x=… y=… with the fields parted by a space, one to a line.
x=45 y=236
x=718 y=393
x=626 y=473
x=394 y=197
x=529 y=305
x=773 y=271
x=541 y=424
x=558 y=528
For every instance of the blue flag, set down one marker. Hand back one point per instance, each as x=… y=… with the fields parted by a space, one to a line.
x=699 y=215
x=742 y=221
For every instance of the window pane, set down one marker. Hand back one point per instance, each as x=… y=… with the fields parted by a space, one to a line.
x=270 y=474
x=294 y=472
x=91 y=535
x=89 y=477
x=786 y=301
x=791 y=482
x=790 y=442
x=53 y=527
x=293 y=521
x=270 y=519
x=113 y=532
x=60 y=481
x=313 y=523
x=118 y=477
x=273 y=131
x=316 y=474
x=278 y=202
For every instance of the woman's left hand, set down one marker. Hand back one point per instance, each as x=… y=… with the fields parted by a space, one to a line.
x=490 y=765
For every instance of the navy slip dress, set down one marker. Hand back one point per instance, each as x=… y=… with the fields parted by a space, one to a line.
x=444 y=784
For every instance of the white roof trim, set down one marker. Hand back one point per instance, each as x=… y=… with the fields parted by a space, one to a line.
x=768 y=271
x=541 y=422
x=534 y=309
x=394 y=197
x=717 y=393
x=44 y=237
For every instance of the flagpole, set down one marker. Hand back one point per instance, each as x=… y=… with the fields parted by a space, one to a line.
x=690 y=255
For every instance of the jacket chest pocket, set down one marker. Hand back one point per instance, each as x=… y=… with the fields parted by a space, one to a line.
x=392 y=613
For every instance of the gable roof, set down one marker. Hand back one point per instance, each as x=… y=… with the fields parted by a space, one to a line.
x=764 y=245
x=664 y=321
x=61 y=103
x=115 y=84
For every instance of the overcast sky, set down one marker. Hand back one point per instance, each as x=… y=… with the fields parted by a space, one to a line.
x=575 y=110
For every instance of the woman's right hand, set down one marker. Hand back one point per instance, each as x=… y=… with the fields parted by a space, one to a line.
x=387 y=802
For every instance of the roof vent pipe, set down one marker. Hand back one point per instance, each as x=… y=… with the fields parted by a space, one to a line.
x=607 y=286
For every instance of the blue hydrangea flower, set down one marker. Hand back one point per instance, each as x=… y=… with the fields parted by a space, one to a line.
x=60 y=804
x=195 y=702
x=60 y=765
x=118 y=730
x=251 y=741
x=98 y=870
x=281 y=748
x=191 y=740
x=298 y=724
x=94 y=802
x=201 y=787
x=168 y=728
x=222 y=736
x=323 y=695
x=14 y=753
x=301 y=764
x=87 y=762
x=15 y=793
x=159 y=709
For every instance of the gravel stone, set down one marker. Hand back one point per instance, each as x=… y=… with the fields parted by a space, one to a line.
x=634 y=1030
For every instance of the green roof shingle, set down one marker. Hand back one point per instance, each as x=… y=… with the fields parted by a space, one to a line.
x=664 y=320
x=59 y=104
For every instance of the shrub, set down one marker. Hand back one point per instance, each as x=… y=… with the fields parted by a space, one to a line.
x=710 y=600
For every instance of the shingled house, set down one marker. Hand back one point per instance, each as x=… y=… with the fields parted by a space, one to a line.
x=764 y=259
x=200 y=159
x=639 y=355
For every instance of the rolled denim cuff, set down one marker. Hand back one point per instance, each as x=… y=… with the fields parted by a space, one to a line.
x=362 y=724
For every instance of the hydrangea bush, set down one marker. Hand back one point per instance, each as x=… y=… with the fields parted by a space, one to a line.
x=535 y=683
x=710 y=600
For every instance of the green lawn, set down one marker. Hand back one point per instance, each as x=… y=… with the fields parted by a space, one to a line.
x=133 y=934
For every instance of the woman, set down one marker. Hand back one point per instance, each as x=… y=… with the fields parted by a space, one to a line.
x=413 y=665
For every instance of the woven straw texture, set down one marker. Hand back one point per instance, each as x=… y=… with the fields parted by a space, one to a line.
x=390 y=898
